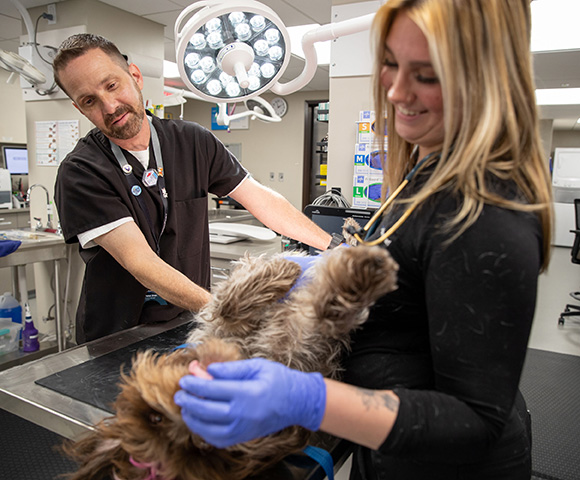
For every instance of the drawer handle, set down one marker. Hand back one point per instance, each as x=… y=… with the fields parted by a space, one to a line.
x=5 y=223
x=220 y=270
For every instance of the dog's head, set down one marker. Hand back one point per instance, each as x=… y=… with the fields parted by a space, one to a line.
x=147 y=435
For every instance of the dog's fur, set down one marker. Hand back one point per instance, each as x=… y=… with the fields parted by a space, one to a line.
x=257 y=312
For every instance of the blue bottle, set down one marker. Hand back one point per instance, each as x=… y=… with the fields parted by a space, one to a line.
x=10 y=308
x=29 y=333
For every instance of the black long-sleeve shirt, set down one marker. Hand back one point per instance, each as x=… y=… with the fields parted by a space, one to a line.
x=451 y=341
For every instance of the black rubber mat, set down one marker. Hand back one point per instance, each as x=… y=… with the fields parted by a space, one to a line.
x=95 y=381
x=551 y=386
x=28 y=451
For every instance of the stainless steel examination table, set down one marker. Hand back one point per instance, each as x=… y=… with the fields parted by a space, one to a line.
x=70 y=391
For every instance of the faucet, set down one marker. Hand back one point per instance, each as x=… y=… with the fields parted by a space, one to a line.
x=48 y=204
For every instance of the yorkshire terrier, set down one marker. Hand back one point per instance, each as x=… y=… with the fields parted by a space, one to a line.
x=267 y=308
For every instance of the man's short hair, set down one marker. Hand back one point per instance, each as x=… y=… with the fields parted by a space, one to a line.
x=77 y=45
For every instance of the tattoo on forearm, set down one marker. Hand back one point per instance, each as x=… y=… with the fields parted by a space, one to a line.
x=374 y=399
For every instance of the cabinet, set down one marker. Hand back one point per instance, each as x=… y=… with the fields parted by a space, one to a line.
x=14 y=218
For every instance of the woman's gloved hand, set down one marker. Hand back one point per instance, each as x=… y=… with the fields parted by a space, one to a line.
x=249 y=399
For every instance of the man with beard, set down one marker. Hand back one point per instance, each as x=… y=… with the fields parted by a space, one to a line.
x=134 y=194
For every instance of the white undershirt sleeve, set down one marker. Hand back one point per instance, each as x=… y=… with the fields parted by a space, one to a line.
x=237 y=186
x=86 y=239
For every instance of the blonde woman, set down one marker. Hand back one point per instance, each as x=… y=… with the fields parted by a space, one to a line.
x=431 y=385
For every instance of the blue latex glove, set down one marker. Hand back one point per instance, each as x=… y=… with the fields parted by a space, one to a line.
x=305 y=263
x=249 y=399
x=8 y=246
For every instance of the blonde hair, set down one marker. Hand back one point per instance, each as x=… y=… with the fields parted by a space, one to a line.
x=480 y=50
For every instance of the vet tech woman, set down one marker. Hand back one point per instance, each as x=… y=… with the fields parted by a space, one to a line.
x=434 y=373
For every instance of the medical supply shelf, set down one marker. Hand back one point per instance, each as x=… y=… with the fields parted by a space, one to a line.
x=36 y=247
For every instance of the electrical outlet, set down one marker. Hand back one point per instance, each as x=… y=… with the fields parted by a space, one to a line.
x=281 y=176
x=272 y=176
x=51 y=10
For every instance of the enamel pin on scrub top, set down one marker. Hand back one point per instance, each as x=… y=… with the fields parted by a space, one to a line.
x=150 y=177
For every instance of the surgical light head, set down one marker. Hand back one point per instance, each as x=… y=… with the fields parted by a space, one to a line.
x=230 y=51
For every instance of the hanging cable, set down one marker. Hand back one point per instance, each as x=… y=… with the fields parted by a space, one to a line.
x=54 y=86
x=332 y=198
x=48 y=17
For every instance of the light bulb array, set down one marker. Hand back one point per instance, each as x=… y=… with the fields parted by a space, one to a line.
x=234 y=55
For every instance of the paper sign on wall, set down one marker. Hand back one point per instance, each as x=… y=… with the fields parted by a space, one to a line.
x=54 y=140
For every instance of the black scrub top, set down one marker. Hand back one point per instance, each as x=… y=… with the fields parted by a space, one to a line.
x=91 y=190
x=451 y=342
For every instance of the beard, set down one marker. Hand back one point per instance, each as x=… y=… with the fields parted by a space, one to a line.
x=133 y=124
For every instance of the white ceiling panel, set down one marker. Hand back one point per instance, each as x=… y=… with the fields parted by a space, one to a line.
x=318 y=11
x=557 y=69
x=566 y=124
x=143 y=7
x=167 y=19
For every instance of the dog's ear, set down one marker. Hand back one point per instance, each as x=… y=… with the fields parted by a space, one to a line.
x=95 y=454
x=216 y=350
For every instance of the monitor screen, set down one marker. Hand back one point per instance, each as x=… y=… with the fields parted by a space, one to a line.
x=331 y=219
x=16 y=159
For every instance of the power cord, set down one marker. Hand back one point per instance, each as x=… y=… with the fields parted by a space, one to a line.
x=332 y=198
x=54 y=86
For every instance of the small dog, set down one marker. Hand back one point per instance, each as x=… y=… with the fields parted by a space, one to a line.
x=264 y=309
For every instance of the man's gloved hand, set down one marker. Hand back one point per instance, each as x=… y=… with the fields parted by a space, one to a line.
x=249 y=399
x=305 y=262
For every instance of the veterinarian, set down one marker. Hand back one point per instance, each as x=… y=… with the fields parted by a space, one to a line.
x=134 y=194
x=434 y=372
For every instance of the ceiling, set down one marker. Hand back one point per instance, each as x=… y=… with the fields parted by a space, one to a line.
x=553 y=69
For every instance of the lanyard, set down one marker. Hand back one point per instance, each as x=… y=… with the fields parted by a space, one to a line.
x=135 y=185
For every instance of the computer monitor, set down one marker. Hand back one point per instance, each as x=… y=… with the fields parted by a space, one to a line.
x=15 y=159
x=331 y=219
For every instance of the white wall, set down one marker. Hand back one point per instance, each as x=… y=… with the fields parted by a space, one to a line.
x=348 y=96
x=12 y=116
x=266 y=147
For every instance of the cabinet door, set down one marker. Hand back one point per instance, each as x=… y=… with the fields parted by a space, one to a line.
x=23 y=219
x=8 y=220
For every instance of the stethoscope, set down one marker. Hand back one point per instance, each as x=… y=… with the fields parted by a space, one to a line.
x=361 y=233
x=151 y=177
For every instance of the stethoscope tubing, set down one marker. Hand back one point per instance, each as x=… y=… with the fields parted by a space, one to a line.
x=379 y=213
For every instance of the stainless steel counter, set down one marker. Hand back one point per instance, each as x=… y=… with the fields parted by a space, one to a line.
x=69 y=417
x=233 y=251
x=223 y=255
x=56 y=412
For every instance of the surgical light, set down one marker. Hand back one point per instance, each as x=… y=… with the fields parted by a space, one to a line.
x=244 y=40
x=234 y=50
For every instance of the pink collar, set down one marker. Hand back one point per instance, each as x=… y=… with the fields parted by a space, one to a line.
x=152 y=467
